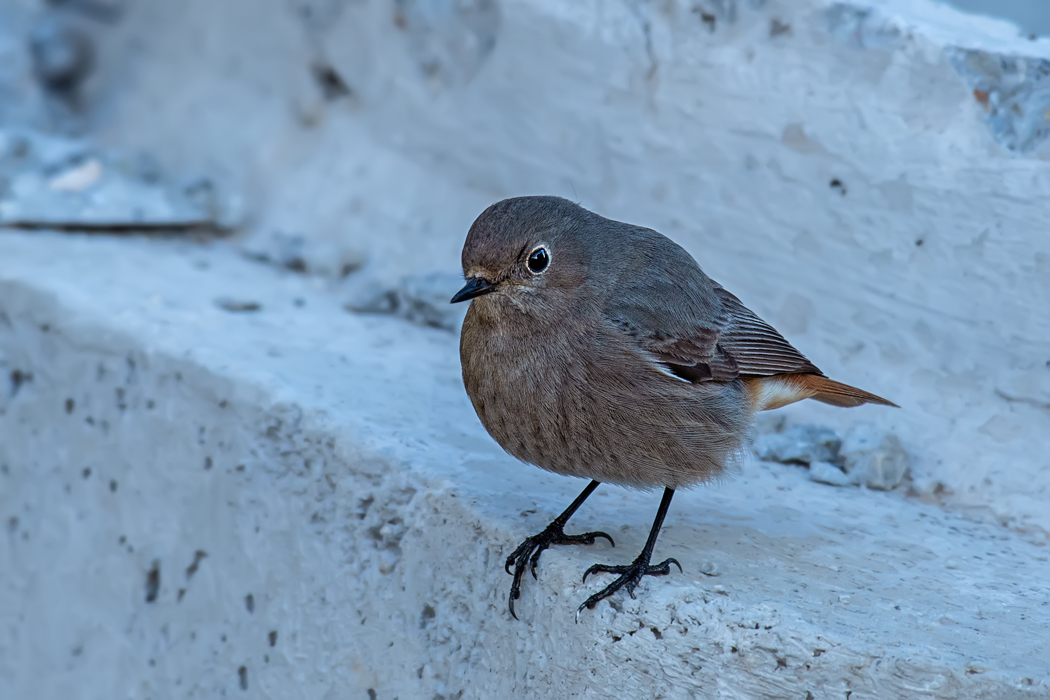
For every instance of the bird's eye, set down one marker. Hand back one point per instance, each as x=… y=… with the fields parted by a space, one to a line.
x=539 y=259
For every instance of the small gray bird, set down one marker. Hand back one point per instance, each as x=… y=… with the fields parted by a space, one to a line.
x=598 y=349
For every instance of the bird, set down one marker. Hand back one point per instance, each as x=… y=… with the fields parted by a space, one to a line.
x=599 y=349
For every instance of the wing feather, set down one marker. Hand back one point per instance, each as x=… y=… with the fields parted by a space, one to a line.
x=699 y=343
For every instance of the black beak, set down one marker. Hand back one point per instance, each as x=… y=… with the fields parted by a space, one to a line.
x=475 y=287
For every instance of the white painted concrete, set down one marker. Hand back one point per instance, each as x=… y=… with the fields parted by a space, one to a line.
x=331 y=467
x=871 y=178
x=923 y=276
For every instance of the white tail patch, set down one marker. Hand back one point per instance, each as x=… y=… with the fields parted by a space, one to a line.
x=773 y=392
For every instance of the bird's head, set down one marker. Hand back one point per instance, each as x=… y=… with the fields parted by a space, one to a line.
x=526 y=251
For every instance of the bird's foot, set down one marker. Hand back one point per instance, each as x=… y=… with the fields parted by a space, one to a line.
x=527 y=555
x=630 y=576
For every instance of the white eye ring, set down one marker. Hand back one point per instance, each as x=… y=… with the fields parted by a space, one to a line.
x=539 y=259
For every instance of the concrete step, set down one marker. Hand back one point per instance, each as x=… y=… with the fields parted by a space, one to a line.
x=297 y=501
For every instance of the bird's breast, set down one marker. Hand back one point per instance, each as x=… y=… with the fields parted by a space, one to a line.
x=584 y=403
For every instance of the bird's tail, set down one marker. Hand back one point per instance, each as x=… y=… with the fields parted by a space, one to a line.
x=836 y=393
x=779 y=390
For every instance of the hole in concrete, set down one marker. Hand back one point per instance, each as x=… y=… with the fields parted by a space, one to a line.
x=778 y=28
x=328 y=79
x=657 y=633
x=372 y=694
x=113 y=485
x=70 y=405
x=242 y=676
x=86 y=472
x=153 y=582
x=207 y=462
x=249 y=602
x=428 y=614
x=836 y=184
x=272 y=637
x=709 y=20
x=18 y=378
x=197 y=557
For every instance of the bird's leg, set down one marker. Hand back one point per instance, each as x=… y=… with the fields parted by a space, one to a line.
x=632 y=574
x=527 y=555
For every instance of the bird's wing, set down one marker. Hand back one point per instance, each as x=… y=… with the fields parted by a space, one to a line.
x=701 y=332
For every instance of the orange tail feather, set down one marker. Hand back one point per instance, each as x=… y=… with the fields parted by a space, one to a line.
x=780 y=390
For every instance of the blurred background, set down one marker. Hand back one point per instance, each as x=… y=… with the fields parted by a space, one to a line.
x=869 y=176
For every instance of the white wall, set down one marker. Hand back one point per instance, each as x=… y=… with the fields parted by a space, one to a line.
x=871 y=178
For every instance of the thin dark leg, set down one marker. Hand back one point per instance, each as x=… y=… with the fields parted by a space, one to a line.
x=632 y=574
x=527 y=555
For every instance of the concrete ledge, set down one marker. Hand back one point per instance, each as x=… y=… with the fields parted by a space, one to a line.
x=868 y=176
x=300 y=501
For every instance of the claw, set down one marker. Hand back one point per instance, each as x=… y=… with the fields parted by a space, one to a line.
x=511 y=604
x=629 y=577
x=527 y=555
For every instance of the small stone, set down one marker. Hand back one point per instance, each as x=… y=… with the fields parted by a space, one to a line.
x=925 y=487
x=801 y=444
x=710 y=568
x=421 y=299
x=874 y=457
x=237 y=306
x=827 y=473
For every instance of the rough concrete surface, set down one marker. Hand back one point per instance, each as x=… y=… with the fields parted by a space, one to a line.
x=329 y=466
x=214 y=479
x=829 y=162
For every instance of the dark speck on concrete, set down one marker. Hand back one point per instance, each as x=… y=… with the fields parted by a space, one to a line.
x=237 y=306
x=153 y=582
x=18 y=378
x=198 y=556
